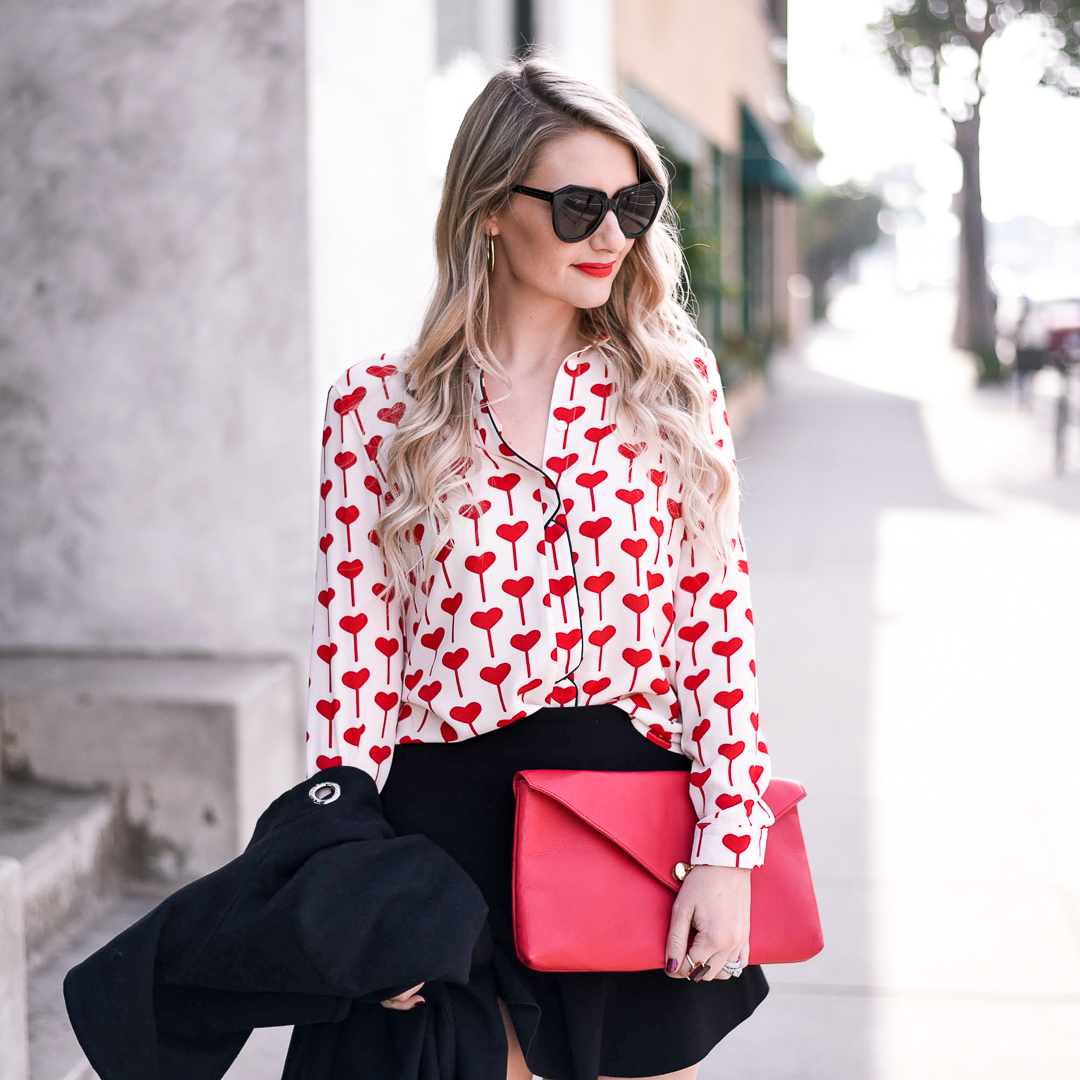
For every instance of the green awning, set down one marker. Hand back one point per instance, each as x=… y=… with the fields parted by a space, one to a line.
x=760 y=168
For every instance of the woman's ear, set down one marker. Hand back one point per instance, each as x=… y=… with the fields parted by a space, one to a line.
x=491 y=227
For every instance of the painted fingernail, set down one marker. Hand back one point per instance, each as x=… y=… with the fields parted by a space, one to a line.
x=672 y=965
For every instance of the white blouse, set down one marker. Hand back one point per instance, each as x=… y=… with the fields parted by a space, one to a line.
x=567 y=582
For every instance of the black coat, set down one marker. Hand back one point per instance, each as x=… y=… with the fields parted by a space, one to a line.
x=325 y=913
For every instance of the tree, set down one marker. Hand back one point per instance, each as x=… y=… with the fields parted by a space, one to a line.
x=939 y=46
x=833 y=225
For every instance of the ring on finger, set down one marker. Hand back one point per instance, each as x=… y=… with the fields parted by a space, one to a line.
x=698 y=970
x=733 y=967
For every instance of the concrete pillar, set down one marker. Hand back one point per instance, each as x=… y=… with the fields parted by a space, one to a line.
x=155 y=433
x=14 y=1047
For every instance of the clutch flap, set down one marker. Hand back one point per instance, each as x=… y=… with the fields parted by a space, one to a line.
x=782 y=794
x=648 y=815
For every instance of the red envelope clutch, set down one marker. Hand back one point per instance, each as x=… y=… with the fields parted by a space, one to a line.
x=592 y=876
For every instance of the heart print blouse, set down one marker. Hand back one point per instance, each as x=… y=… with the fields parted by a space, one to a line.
x=569 y=581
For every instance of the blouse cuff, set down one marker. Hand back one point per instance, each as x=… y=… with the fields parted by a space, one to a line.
x=717 y=843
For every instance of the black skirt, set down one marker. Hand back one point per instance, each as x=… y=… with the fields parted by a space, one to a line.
x=573 y=1026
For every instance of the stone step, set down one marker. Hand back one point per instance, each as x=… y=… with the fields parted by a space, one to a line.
x=68 y=844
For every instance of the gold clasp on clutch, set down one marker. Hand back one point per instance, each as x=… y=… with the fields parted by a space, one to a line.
x=680 y=870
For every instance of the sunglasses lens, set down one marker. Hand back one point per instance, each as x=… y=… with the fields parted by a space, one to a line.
x=577 y=214
x=637 y=208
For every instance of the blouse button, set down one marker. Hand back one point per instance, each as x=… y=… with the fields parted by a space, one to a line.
x=560 y=425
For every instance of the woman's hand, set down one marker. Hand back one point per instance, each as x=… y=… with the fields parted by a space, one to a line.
x=404 y=1001
x=715 y=901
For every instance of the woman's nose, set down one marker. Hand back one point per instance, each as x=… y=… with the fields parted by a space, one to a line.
x=609 y=236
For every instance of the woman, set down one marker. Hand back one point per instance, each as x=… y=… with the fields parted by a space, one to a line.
x=530 y=558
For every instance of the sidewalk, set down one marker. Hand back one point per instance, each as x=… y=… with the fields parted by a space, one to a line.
x=916 y=578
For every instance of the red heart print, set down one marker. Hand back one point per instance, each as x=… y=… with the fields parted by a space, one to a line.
x=352 y=624
x=466 y=714
x=327 y=433
x=324 y=762
x=477 y=564
x=637 y=604
x=726 y=801
x=699 y=732
x=602 y=636
x=326 y=652
x=727 y=648
x=352 y=735
x=595 y=529
x=659 y=735
x=413 y=679
x=351 y=569
x=634 y=548
x=698 y=779
x=386 y=700
x=379 y=754
x=347 y=514
x=345 y=460
x=513 y=531
x=451 y=604
x=630 y=495
x=393 y=414
x=560 y=586
x=569 y=415
x=590 y=481
x=517 y=588
x=599 y=582
x=728 y=699
x=387 y=646
x=524 y=642
x=563 y=694
x=328 y=709
x=429 y=691
x=637 y=657
x=434 y=639
x=653 y=581
x=595 y=686
x=454 y=660
x=325 y=542
x=486 y=619
x=447 y=732
x=736 y=843
x=355 y=679
x=692 y=682
x=325 y=488
x=495 y=674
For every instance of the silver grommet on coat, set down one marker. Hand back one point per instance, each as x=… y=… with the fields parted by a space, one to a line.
x=324 y=793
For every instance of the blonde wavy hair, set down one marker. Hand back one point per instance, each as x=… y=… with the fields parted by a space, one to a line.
x=524 y=107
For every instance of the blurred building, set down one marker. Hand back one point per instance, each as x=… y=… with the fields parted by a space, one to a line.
x=207 y=212
x=709 y=81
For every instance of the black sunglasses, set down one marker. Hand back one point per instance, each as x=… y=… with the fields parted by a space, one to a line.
x=576 y=212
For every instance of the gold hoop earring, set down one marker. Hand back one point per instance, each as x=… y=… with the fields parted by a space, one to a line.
x=491 y=254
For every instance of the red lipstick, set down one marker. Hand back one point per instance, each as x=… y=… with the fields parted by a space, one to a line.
x=595 y=269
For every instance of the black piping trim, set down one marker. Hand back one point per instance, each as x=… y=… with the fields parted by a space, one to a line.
x=547 y=524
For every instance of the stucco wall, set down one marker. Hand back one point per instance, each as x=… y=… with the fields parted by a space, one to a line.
x=155 y=432
x=700 y=57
